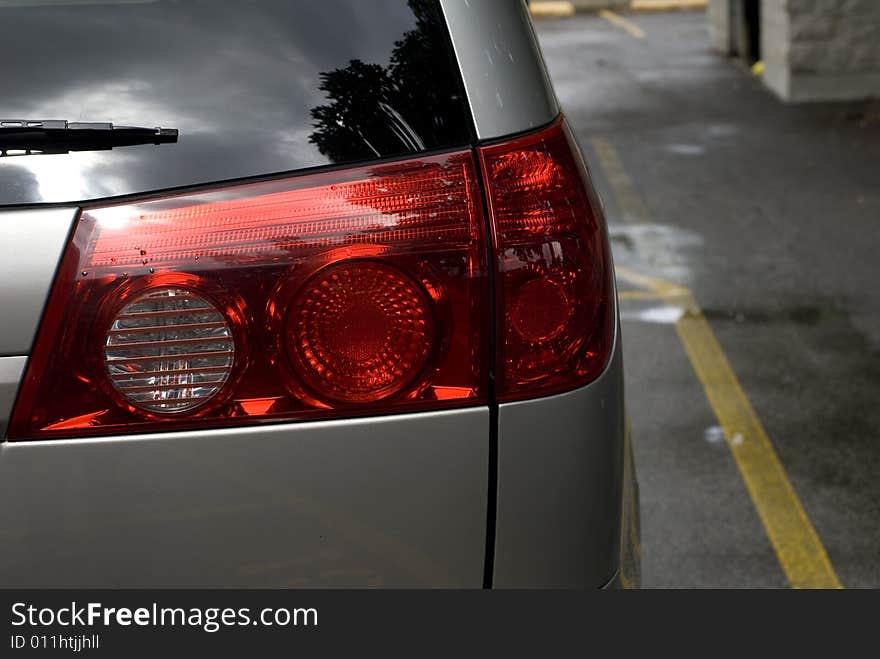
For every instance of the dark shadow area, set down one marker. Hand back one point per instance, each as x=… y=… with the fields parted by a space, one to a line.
x=747 y=30
x=752 y=13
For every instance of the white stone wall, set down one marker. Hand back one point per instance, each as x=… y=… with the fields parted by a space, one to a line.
x=776 y=46
x=813 y=50
x=718 y=13
x=835 y=48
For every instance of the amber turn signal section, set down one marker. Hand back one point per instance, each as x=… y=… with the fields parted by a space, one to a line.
x=554 y=286
x=344 y=293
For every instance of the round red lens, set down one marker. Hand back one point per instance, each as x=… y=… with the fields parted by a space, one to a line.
x=360 y=331
x=540 y=310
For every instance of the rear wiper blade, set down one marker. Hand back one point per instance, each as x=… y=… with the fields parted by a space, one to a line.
x=41 y=136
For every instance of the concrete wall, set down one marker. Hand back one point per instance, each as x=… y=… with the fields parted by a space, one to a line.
x=813 y=50
x=776 y=46
x=720 y=28
x=834 y=50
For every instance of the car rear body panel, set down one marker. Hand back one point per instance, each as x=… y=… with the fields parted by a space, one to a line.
x=11 y=372
x=559 y=486
x=388 y=501
x=398 y=500
x=501 y=65
x=31 y=245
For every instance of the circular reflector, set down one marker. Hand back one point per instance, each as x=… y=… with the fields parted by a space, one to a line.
x=540 y=310
x=170 y=350
x=360 y=331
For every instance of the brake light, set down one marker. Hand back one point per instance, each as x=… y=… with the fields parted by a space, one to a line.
x=359 y=331
x=341 y=293
x=554 y=286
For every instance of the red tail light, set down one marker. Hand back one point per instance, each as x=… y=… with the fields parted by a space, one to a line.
x=341 y=293
x=554 y=287
x=359 y=330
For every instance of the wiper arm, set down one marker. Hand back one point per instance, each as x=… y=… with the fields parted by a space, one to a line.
x=30 y=137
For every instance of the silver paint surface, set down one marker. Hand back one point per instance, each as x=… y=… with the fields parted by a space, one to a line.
x=389 y=501
x=500 y=61
x=31 y=245
x=11 y=372
x=560 y=486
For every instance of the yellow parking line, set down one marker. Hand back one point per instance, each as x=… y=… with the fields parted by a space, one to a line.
x=632 y=207
x=638 y=295
x=622 y=23
x=798 y=547
x=800 y=551
x=667 y=5
x=548 y=9
x=658 y=287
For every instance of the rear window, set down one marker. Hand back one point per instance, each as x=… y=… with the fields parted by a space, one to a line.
x=254 y=87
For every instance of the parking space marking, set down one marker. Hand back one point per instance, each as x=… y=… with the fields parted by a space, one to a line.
x=550 y=9
x=800 y=551
x=638 y=295
x=630 y=201
x=623 y=23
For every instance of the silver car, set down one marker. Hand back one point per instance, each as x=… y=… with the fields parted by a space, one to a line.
x=302 y=294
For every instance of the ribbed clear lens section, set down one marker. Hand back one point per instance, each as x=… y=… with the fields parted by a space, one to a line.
x=169 y=351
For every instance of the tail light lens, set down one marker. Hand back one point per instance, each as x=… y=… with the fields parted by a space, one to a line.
x=554 y=286
x=360 y=331
x=354 y=292
x=341 y=293
x=169 y=350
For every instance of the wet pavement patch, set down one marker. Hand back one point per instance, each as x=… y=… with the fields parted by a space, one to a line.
x=799 y=315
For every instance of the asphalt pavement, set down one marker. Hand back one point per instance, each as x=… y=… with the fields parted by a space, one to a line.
x=765 y=216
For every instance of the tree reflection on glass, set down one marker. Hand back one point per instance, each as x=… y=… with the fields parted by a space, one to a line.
x=412 y=104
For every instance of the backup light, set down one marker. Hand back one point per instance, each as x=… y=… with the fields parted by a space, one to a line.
x=170 y=350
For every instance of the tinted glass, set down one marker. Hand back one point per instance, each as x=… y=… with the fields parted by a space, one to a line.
x=253 y=87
